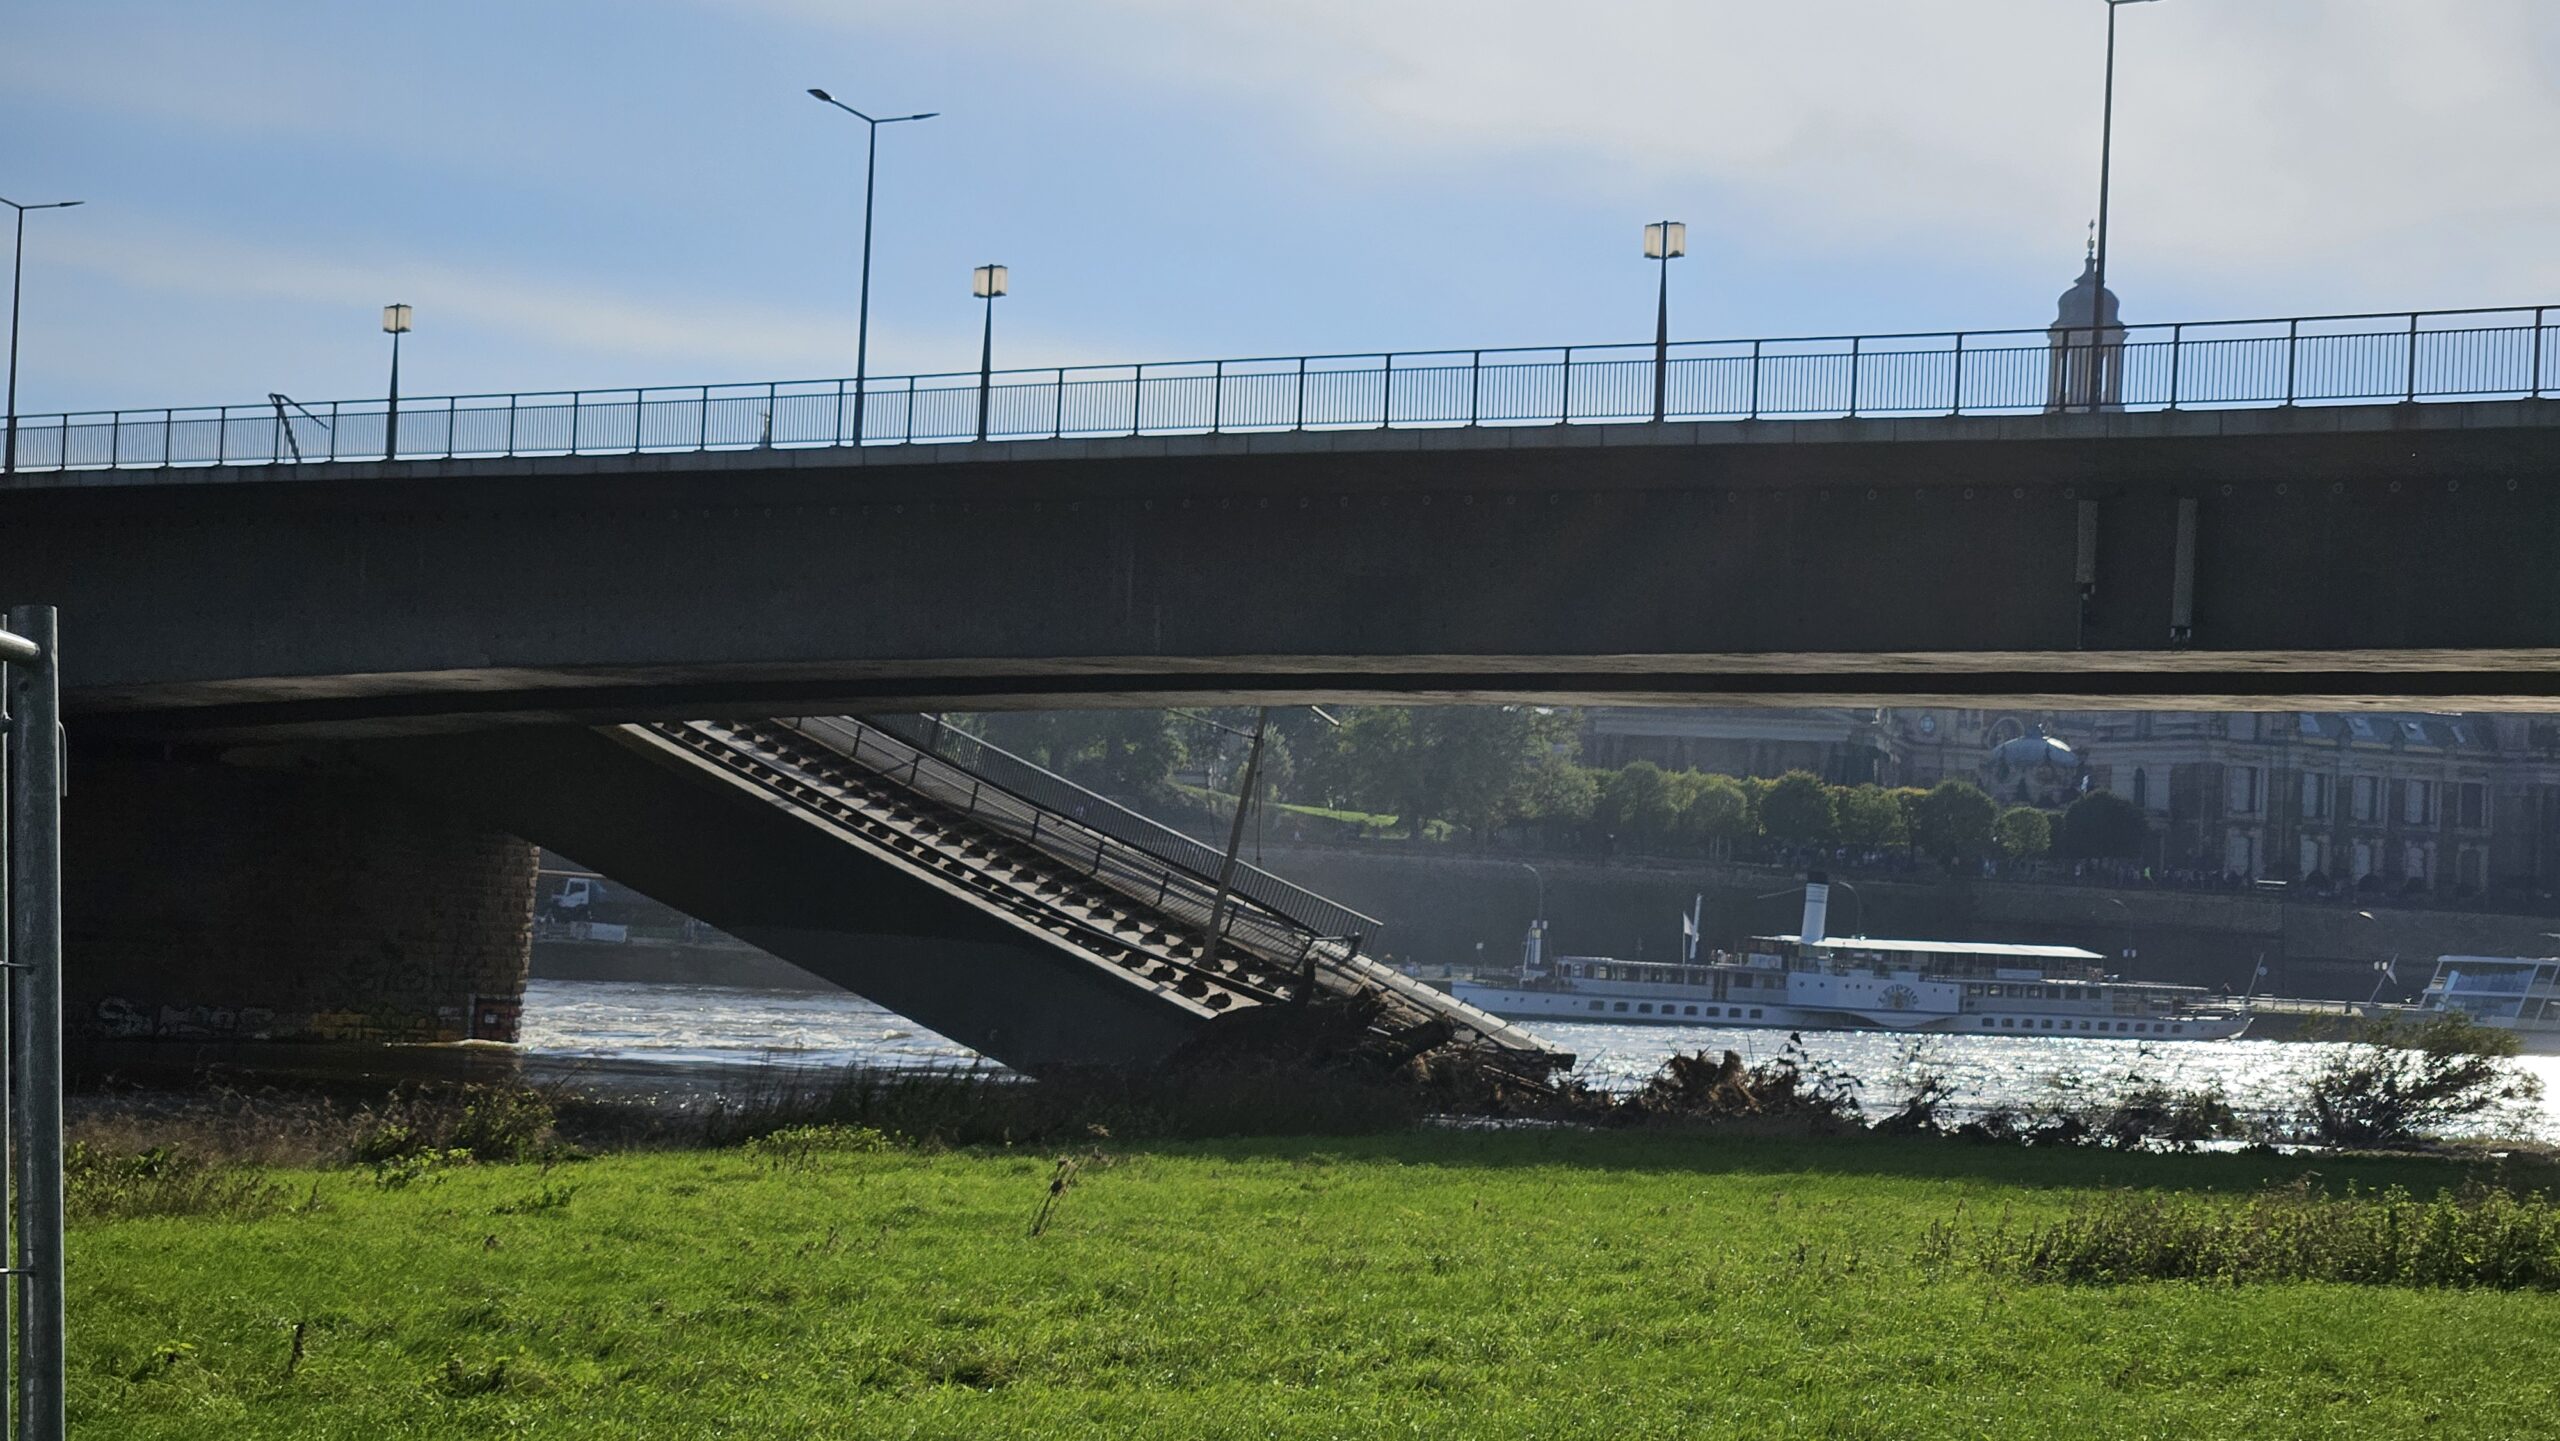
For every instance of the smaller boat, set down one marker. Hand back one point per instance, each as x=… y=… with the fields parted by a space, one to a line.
x=1814 y=981
x=2511 y=993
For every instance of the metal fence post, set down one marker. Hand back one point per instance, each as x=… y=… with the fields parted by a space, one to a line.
x=838 y=432
x=2177 y=346
x=34 y=986
x=2409 y=392
x=2292 y=346
x=1387 y=393
x=639 y=408
x=514 y=404
x=1475 y=385
x=115 y=437
x=452 y=408
x=1853 y=377
x=1564 y=406
x=222 y=436
x=1956 y=401
x=2538 y=317
x=1755 y=380
x=909 y=435
x=1218 y=398
x=1301 y=422
x=1058 y=414
x=573 y=422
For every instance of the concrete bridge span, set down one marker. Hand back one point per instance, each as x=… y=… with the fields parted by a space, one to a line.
x=2238 y=557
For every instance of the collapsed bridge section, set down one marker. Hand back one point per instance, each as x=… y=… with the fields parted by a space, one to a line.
x=952 y=882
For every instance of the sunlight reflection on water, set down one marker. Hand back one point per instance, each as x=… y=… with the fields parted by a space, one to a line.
x=678 y=1028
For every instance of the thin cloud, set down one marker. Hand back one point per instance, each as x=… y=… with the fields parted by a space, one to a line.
x=2281 y=144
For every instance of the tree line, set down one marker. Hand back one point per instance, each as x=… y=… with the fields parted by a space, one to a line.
x=1479 y=771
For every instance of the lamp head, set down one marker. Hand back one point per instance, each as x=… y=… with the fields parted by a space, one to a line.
x=1666 y=240
x=821 y=94
x=987 y=281
x=395 y=320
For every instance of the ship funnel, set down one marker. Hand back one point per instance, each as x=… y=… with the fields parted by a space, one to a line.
x=1817 y=907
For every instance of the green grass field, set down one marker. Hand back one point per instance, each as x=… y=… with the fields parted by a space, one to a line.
x=1440 y=1284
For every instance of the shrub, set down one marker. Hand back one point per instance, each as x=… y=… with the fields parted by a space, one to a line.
x=501 y=1123
x=385 y=1141
x=398 y=1171
x=2401 y=1081
x=1927 y=1094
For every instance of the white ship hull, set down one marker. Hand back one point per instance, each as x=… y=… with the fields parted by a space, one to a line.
x=1651 y=1006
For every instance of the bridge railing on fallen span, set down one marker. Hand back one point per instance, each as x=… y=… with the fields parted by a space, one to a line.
x=2408 y=357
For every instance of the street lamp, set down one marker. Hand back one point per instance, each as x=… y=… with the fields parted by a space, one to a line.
x=862 y=320
x=2106 y=157
x=1533 y=953
x=395 y=323
x=986 y=282
x=1664 y=242
x=2384 y=972
x=17 y=268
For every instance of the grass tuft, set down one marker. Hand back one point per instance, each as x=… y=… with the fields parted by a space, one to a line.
x=2473 y=1236
x=102 y=1185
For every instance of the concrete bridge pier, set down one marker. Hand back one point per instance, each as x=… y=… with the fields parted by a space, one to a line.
x=211 y=902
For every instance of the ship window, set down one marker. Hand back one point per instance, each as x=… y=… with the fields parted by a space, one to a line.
x=2177 y=1030
x=2047 y=1023
x=1622 y=1005
x=2008 y=1023
x=1599 y=1005
x=1645 y=1009
x=1688 y=1010
x=1988 y=1023
x=2142 y=1025
x=1755 y=1013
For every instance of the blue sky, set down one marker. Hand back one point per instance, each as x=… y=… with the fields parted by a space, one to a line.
x=575 y=192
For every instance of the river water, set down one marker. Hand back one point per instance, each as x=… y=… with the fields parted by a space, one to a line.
x=675 y=1032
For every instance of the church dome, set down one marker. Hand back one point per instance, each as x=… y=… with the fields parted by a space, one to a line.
x=2072 y=310
x=2026 y=754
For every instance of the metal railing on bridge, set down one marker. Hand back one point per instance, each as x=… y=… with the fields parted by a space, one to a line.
x=984 y=760
x=2443 y=355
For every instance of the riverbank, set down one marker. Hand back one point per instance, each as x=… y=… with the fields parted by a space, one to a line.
x=1547 y=1283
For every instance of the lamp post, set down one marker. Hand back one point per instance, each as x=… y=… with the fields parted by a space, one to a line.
x=862 y=314
x=986 y=282
x=1533 y=953
x=2106 y=158
x=17 y=269
x=1664 y=242
x=395 y=323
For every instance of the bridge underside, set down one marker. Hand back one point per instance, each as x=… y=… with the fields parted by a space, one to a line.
x=427 y=703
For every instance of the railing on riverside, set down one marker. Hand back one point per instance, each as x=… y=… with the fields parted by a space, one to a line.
x=2443 y=355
